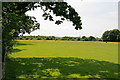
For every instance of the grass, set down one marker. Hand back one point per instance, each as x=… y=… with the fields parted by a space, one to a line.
x=63 y=59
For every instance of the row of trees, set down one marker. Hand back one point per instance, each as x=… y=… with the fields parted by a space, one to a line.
x=111 y=35
x=83 y=38
x=108 y=36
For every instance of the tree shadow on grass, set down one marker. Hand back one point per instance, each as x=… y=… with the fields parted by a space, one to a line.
x=16 y=50
x=59 y=67
x=17 y=43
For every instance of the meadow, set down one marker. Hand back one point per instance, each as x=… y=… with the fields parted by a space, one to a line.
x=62 y=59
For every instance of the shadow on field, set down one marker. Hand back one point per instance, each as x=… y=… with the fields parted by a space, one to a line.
x=17 y=43
x=59 y=68
x=15 y=51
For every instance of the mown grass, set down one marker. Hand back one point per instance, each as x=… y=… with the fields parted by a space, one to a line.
x=88 y=50
x=63 y=59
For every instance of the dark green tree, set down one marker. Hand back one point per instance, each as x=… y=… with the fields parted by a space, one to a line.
x=105 y=36
x=53 y=37
x=84 y=38
x=48 y=38
x=91 y=38
x=111 y=35
x=118 y=37
x=78 y=39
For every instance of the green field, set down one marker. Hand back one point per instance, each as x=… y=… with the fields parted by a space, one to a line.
x=63 y=59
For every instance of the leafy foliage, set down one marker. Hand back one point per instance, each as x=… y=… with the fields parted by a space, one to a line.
x=84 y=38
x=118 y=37
x=112 y=35
x=14 y=22
x=91 y=38
x=61 y=9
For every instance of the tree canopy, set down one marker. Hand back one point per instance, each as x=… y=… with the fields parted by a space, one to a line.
x=112 y=35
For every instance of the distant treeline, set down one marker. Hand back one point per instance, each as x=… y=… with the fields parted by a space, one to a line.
x=83 y=38
x=108 y=36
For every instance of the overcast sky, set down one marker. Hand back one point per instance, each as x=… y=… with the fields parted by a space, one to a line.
x=97 y=16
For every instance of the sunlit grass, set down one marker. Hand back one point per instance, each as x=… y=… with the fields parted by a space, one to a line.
x=81 y=49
